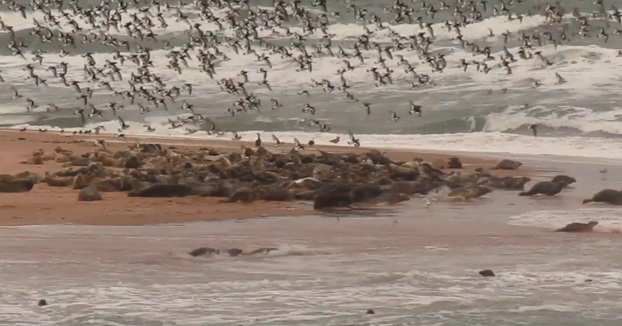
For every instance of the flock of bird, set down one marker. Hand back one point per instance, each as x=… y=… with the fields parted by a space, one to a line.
x=70 y=24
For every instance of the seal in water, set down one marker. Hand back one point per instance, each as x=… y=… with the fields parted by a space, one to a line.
x=578 y=227
x=546 y=188
x=234 y=252
x=609 y=196
x=487 y=273
x=204 y=251
x=262 y=250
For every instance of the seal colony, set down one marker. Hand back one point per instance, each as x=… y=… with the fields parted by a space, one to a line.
x=222 y=180
x=328 y=179
x=185 y=181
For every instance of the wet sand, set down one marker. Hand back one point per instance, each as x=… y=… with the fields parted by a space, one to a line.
x=47 y=205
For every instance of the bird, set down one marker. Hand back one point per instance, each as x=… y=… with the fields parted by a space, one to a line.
x=414 y=108
x=534 y=128
x=122 y=123
x=276 y=140
x=353 y=141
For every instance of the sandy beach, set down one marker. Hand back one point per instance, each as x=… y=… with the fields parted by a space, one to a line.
x=47 y=205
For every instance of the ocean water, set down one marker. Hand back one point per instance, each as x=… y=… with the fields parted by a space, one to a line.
x=464 y=110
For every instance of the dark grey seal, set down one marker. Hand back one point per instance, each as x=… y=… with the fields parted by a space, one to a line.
x=164 y=190
x=204 y=251
x=578 y=227
x=16 y=186
x=487 y=273
x=233 y=252
x=262 y=250
x=566 y=179
x=546 y=188
x=609 y=196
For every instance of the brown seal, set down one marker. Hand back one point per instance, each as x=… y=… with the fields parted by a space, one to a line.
x=243 y=194
x=57 y=181
x=507 y=165
x=164 y=190
x=578 y=227
x=454 y=163
x=89 y=193
x=16 y=186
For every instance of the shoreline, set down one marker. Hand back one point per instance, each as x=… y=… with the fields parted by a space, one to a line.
x=219 y=141
x=46 y=205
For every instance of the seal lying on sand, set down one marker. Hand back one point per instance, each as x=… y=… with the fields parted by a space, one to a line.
x=89 y=193
x=507 y=165
x=468 y=192
x=163 y=190
x=546 y=188
x=578 y=227
x=506 y=183
x=609 y=196
x=566 y=179
x=16 y=186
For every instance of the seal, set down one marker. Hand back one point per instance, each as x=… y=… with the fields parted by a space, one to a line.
x=609 y=196
x=234 y=252
x=469 y=192
x=323 y=200
x=546 y=188
x=89 y=193
x=204 y=251
x=272 y=193
x=566 y=179
x=263 y=250
x=16 y=186
x=57 y=181
x=578 y=227
x=164 y=190
x=243 y=194
x=80 y=182
x=507 y=165
x=454 y=163
x=507 y=183
x=487 y=273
